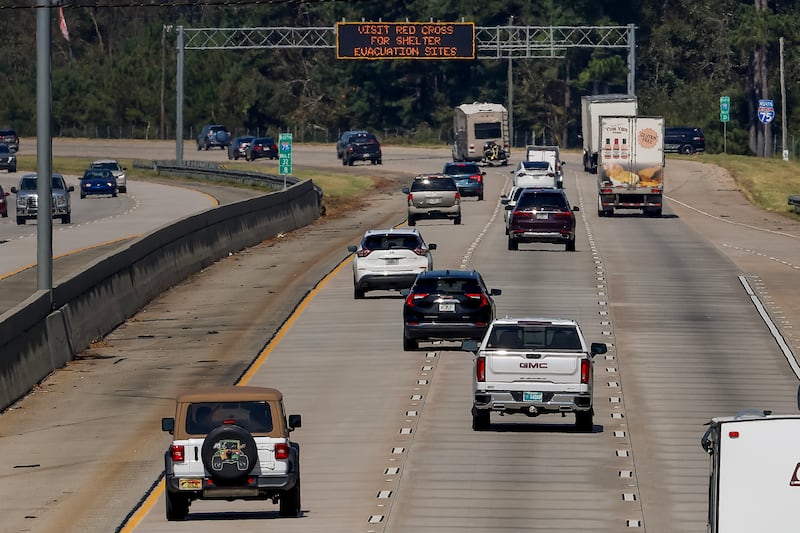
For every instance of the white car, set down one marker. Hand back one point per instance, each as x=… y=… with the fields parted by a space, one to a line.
x=510 y=198
x=118 y=170
x=536 y=174
x=389 y=259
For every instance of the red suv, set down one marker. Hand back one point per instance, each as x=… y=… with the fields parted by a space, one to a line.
x=542 y=215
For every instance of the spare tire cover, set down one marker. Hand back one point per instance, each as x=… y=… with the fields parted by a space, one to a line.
x=229 y=453
x=222 y=136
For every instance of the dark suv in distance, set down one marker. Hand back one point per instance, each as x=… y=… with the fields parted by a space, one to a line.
x=261 y=148
x=542 y=215
x=10 y=138
x=447 y=305
x=468 y=178
x=684 y=140
x=213 y=135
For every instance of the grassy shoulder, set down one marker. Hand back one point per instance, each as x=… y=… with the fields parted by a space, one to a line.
x=765 y=182
x=343 y=191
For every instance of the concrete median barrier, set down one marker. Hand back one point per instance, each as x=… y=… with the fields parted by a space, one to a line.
x=43 y=333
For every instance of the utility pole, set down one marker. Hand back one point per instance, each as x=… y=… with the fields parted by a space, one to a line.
x=783 y=109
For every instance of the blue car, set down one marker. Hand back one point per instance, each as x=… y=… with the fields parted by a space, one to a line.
x=468 y=178
x=98 y=181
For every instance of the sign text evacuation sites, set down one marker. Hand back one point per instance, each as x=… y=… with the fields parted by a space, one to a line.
x=405 y=40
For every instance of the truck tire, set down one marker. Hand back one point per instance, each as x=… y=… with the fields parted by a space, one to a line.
x=177 y=506
x=480 y=419
x=289 y=502
x=584 y=421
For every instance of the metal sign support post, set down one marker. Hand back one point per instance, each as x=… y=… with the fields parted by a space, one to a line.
x=44 y=148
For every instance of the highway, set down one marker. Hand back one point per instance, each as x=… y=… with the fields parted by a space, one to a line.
x=386 y=439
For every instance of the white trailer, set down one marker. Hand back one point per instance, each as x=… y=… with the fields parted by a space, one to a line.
x=476 y=124
x=754 y=481
x=592 y=108
x=631 y=168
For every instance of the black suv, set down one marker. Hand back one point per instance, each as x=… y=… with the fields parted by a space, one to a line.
x=213 y=135
x=684 y=140
x=362 y=147
x=10 y=138
x=447 y=305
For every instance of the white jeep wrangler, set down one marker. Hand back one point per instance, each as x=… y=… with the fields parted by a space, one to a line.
x=231 y=443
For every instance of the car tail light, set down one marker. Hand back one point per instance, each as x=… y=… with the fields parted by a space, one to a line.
x=274 y=147
x=410 y=199
x=458 y=197
x=421 y=251
x=178 y=453
x=586 y=367
x=562 y=214
x=477 y=177
x=257 y=148
x=364 y=252
x=522 y=214
x=480 y=369
x=482 y=297
x=414 y=296
x=281 y=450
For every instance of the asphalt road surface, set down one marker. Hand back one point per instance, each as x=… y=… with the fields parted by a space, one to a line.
x=386 y=437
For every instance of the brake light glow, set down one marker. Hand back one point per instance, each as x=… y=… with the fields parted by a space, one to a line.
x=733 y=434
x=414 y=296
x=178 y=453
x=478 y=296
x=281 y=450
x=477 y=177
x=586 y=370
x=480 y=369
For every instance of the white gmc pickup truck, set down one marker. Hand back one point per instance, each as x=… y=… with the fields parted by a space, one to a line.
x=533 y=366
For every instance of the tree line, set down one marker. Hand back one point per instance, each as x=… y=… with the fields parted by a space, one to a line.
x=116 y=72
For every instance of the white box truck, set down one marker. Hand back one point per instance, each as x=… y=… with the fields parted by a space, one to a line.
x=754 y=480
x=477 y=125
x=592 y=108
x=631 y=164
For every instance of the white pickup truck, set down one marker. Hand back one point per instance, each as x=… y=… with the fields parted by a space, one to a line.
x=533 y=366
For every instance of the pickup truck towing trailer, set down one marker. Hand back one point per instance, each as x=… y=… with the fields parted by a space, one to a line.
x=631 y=167
x=754 y=483
x=533 y=366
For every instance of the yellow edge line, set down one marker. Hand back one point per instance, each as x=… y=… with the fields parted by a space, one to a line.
x=151 y=499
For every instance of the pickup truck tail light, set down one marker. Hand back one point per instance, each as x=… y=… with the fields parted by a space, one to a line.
x=586 y=371
x=178 y=453
x=480 y=369
x=281 y=450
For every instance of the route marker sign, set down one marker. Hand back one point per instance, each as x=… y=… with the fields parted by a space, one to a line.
x=285 y=153
x=724 y=109
x=766 y=111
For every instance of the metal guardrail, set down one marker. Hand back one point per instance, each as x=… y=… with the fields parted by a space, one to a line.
x=794 y=200
x=216 y=172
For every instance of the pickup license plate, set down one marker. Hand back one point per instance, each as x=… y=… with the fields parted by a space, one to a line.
x=541 y=216
x=447 y=308
x=531 y=396
x=190 y=484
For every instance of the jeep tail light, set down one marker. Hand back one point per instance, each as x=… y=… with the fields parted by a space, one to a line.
x=479 y=296
x=281 y=450
x=586 y=367
x=364 y=252
x=480 y=369
x=178 y=453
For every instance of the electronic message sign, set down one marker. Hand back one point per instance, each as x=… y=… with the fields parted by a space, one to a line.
x=405 y=40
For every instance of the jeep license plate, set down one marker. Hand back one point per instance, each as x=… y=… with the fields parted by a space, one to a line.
x=190 y=484
x=447 y=308
x=531 y=396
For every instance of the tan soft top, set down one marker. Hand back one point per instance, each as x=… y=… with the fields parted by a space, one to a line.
x=231 y=393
